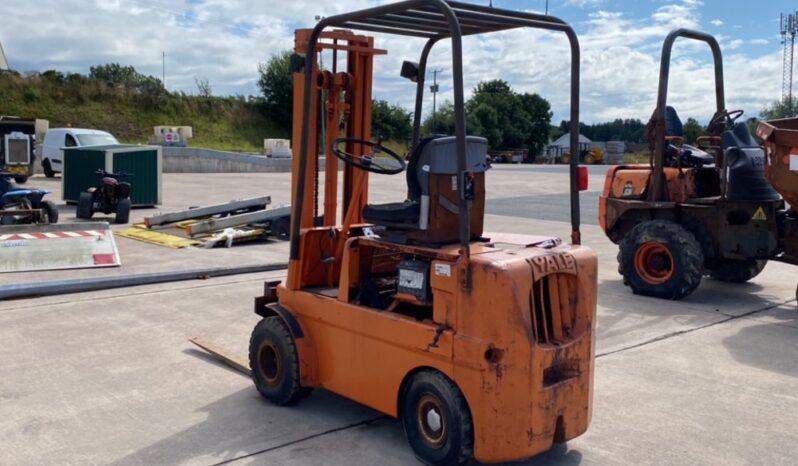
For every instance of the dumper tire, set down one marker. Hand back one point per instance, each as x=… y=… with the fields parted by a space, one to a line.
x=436 y=420
x=48 y=169
x=85 y=208
x=660 y=258
x=274 y=361
x=122 y=211
x=50 y=212
x=736 y=271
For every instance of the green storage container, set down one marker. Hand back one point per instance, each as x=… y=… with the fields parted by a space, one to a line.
x=80 y=165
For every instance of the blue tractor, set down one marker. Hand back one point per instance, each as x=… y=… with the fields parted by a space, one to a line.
x=24 y=205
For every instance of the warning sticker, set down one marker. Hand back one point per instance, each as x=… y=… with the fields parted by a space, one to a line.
x=759 y=214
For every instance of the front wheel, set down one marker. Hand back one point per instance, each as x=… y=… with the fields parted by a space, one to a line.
x=736 y=271
x=661 y=259
x=274 y=361
x=85 y=207
x=436 y=420
x=122 y=211
x=50 y=211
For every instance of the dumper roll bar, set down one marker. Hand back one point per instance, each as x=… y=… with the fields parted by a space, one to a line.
x=435 y=20
x=658 y=193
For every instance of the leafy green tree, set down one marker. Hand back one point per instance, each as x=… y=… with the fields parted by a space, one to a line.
x=692 y=130
x=115 y=74
x=276 y=83
x=508 y=119
x=786 y=108
x=391 y=122
x=443 y=123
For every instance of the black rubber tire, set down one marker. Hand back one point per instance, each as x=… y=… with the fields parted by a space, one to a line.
x=281 y=228
x=51 y=211
x=122 y=211
x=85 y=208
x=21 y=179
x=687 y=266
x=457 y=437
x=8 y=220
x=283 y=388
x=48 y=169
x=736 y=271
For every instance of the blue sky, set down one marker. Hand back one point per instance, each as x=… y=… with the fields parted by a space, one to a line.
x=223 y=41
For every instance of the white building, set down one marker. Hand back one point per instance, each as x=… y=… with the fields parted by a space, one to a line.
x=563 y=143
x=3 y=61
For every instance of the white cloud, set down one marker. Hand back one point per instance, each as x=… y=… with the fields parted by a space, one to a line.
x=758 y=42
x=584 y=3
x=735 y=44
x=716 y=22
x=223 y=41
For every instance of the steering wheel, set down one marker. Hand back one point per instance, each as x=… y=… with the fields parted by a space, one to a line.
x=728 y=117
x=370 y=161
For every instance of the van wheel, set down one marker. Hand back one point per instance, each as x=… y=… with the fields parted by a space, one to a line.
x=661 y=259
x=50 y=211
x=736 y=271
x=274 y=361
x=48 y=169
x=436 y=420
x=122 y=211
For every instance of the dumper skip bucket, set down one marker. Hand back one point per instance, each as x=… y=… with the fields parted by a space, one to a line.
x=781 y=156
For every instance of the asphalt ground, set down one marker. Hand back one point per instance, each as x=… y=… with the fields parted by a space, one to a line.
x=109 y=377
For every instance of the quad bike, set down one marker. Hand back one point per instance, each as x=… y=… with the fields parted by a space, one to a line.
x=112 y=196
x=19 y=205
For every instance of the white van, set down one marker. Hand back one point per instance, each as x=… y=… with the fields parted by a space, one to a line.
x=57 y=138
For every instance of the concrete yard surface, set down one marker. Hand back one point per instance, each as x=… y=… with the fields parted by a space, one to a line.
x=109 y=377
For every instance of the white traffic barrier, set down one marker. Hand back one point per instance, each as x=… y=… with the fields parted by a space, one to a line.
x=26 y=248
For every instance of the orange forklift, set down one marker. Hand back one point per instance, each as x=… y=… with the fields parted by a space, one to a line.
x=692 y=212
x=483 y=345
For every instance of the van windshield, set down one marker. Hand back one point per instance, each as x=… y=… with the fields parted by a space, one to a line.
x=96 y=139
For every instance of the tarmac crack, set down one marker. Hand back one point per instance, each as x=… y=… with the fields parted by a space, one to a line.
x=670 y=335
x=303 y=439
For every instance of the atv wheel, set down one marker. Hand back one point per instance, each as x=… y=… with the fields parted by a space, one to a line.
x=274 y=361
x=565 y=158
x=436 y=420
x=21 y=179
x=50 y=211
x=85 y=207
x=660 y=258
x=48 y=169
x=122 y=211
x=590 y=159
x=736 y=271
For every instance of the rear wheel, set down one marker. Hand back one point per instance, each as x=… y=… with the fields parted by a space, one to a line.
x=590 y=159
x=122 y=211
x=566 y=158
x=51 y=212
x=85 y=207
x=436 y=420
x=47 y=168
x=21 y=179
x=736 y=271
x=274 y=361
x=660 y=258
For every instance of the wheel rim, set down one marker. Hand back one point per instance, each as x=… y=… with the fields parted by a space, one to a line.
x=270 y=364
x=431 y=421
x=654 y=263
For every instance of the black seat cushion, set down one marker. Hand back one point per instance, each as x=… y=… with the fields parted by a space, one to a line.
x=673 y=124
x=395 y=212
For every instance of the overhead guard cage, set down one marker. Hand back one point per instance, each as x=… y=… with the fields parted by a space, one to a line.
x=434 y=20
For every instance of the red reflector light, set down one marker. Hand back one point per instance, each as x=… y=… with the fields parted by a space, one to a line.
x=581 y=172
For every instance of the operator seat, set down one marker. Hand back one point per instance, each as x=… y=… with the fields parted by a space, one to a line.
x=675 y=129
x=430 y=214
x=745 y=162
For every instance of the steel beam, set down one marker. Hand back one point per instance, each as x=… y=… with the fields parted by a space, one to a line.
x=226 y=208
x=214 y=224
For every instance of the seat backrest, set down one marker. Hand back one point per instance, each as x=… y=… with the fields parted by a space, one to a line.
x=439 y=156
x=413 y=183
x=673 y=125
